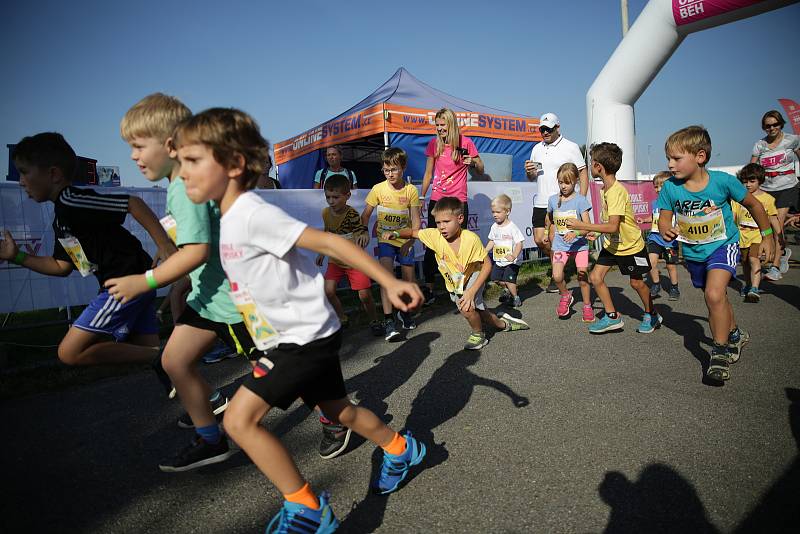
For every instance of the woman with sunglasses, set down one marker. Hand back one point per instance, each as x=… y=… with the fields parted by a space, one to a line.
x=778 y=153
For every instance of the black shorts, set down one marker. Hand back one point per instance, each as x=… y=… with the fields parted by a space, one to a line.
x=311 y=372
x=786 y=198
x=507 y=273
x=633 y=265
x=668 y=254
x=235 y=336
x=537 y=219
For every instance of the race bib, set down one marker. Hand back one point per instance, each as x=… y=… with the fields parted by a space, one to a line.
x=263 y=334
x=170 y=225
x=499 y=252
x=455 y=278
x=560 y=219
x=701 y=229
x=76 y=254
x=746 y=219
x=390 y=219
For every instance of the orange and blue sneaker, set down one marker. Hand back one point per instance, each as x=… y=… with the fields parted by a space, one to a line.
x=395 y=467
x=299 y=518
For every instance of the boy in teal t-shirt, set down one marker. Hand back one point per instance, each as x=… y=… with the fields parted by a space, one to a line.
x=700 y=201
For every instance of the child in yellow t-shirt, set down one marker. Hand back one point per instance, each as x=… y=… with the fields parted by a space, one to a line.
x=465 y=267
x=752 y=176
x=397 y=204
x=623 y=247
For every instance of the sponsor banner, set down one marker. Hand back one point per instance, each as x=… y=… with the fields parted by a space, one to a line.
x=688 y=11
x=30 y=224
x=792 y=109
x=403 y=119
x=643 y=197
x=362 y=123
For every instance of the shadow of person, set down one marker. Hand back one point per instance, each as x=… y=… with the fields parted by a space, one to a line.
x=444 y=396
x=778 y=509
x=659 y=501
x=787 y=292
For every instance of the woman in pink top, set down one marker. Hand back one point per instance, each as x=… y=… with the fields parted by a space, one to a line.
x=450 y=154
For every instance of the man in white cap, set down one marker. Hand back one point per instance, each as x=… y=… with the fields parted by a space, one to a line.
x=546 y=158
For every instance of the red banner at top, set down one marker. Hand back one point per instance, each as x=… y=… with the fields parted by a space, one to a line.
x=792 y=109
x=688 y=11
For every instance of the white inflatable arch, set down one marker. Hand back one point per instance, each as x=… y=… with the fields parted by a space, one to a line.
x=657 y=32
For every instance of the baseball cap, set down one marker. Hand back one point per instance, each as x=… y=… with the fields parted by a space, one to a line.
x=549 y=119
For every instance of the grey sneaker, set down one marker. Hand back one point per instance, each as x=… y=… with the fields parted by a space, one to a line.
x=390 y=331
x=784 y=268
x=674 y=293
x=773 y=274
x=655 y=290
x=512 y=323
x=476 y=341
x=552 y=287
x=335 y=439
x=517 y=302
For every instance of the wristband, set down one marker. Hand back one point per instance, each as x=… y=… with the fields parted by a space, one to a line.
x=151 y=279
x=20 y=257
x=765 y=233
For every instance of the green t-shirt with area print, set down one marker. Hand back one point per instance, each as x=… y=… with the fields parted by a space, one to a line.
x=199 y=224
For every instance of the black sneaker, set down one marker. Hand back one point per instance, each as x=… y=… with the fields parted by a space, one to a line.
x=376 y=327
x=217 y=406
x=428 y=297
x=197 y=454
x=390 y=331
x=334 y=440
x=552 y=287
x=405 y=321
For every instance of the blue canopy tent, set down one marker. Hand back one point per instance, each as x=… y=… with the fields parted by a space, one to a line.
x=400 y=113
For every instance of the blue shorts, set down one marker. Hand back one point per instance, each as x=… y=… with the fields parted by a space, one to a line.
x=385 y=250
x=104 y=315
x=725 y=257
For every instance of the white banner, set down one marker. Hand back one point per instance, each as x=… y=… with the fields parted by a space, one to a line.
x=30 y=223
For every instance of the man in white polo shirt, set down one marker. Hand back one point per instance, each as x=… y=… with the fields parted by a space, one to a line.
x=546 y=158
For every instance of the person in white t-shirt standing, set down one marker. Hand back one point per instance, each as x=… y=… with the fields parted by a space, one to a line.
x=542 y=167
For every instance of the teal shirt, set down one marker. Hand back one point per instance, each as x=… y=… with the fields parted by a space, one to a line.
x=199 y=224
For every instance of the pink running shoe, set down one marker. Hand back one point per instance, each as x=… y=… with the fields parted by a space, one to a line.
x=564 y=303
x=588 y=314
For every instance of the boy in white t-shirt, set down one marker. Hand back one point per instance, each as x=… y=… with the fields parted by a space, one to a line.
x=280 y=293
x=505 y=244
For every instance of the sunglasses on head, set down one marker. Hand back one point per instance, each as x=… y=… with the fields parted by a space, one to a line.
x=546 y=130
x=771 y=125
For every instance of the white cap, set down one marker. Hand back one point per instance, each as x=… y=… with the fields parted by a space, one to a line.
x=549 y=119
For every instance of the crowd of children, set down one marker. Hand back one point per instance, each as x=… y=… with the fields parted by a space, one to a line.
x=252 y=287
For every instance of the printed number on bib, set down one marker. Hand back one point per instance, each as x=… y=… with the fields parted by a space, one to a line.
x=263 y=334
x=76 y=254
x=455 y=278
x=746 y=219
x=390 y=219
x=499 y=252
x=170 y=225
x=701 y=229
x=560 y=219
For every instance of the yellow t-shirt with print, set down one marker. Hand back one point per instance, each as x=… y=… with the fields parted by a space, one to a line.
x=748 y=228
x=346 y=224
x=393 y=208
x=456 y=267
x=628 y=240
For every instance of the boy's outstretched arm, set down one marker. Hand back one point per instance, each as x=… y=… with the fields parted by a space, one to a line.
x=145 y=216
x=758 y=212
x=403 y=295
x=610 y=227
x=405 y=233
x=41 y=264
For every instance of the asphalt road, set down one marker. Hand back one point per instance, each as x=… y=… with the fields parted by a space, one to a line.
x=547 y=430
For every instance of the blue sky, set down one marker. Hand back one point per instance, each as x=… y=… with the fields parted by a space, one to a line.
x=76 y=67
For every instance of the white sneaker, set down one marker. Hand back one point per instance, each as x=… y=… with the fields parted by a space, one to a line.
x=787 y=253
x=773 y=274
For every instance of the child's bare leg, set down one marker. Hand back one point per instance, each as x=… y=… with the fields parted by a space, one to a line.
x=558 y=277
x=583 y=282
x=720 y=311
x=241 y=421
x=512 y=288
x=184 y=349
x=388 y=264
x=672 y=271
x=407 y=272
x=361 y=420
x=597 y=278
x=492 y=319
x=474 y=320
x=365 y=296
x=746 y=271
x=177 y=297
x=655 y=275
x=80 y=347
x=753 y=261
x=644 y=293
x=330 y=292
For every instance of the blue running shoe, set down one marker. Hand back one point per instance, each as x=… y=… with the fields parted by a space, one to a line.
x=606 y=324
x=295 y=517
x=395 y=467
x=650 y=323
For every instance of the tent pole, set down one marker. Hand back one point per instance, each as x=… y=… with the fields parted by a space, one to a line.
x=385 y=140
